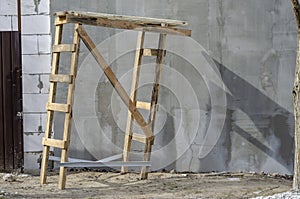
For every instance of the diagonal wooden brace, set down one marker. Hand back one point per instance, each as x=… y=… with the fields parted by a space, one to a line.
x=114 y=81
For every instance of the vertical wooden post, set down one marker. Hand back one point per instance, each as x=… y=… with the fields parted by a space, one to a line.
x=52 y=92
x=133 y=95
x=296 y=94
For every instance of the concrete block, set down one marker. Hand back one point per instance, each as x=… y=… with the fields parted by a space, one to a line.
x=46 y=84
x=31 y=160
x=5 y=22
x=36 y=63
x=44 y=44
x=30 y=84
x=44 y=7
x=8 y=7
x=30 y=7
x=33 y=142
x=14 y=23
x=29 y=44
x=36 y=24
x=43 y=121
x=34 y=103
x=31 y=123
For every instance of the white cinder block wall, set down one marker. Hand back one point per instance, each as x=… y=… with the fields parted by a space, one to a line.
x=36 y=45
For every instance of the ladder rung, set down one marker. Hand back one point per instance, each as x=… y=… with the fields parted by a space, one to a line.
x=143 y=105
x=139 y=137
x=64 y=48
x=55 y=143
x=58 y=107
x=60 y=78
x=149 y=52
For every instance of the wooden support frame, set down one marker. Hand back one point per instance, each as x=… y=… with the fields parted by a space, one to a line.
x=142 y=24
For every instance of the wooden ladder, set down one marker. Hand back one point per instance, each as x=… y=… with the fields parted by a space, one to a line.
x=151 y=107
x=51 y=106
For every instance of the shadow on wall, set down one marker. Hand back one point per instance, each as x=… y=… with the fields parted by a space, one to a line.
x=268 y=118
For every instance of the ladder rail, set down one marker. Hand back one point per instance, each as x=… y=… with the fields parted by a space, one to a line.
x=154 y=99
x=133 y=96
x=52 y=95
x=68 y=115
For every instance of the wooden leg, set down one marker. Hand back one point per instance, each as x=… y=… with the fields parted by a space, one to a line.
x=52 y=93
x=147 y=154
x=133 y=95
x=44 y=165
x=68 y=116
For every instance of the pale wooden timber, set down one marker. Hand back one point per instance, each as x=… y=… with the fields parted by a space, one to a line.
x=58 y=107
x=133 y=93
x=63 y=48
x=167 y=26
x=55 y=143
x=156 y=87
x=52 y=92
x=296 y=94
x=143 y=105
x=60 y=78
x=68 y=116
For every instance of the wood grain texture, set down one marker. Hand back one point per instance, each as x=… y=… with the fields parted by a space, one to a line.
x=296 y=94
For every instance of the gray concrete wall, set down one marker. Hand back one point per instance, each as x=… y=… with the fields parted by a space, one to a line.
x=242 y=121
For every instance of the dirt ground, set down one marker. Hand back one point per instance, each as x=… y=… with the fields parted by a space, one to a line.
x=91 y=184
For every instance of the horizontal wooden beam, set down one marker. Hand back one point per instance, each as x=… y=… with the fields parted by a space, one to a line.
x=124 y=18
x=60 y=78
x=54 y=143
x=143 y=105
x=150 y=52
x=58 y=107
x=64 y=48
x=126 y=25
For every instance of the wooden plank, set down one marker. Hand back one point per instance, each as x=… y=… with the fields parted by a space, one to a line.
x=67 y=123
x=155 y=91
x=17 y=100
x=58 y=107
x=146 y=21
x=114 y=81
x=147 y=154
x=133 y=95
x=143 y=105
x=2 y=154
x=127 y=26
x=60 y=20
x=7 y=103
x=149 y=52
x=156 y=86
x=60 y=78
x=54 y=143
x=63 y=48
x=139 y=138
x=52 y=92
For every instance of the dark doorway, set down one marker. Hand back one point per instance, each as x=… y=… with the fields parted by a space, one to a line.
x=11 y=124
